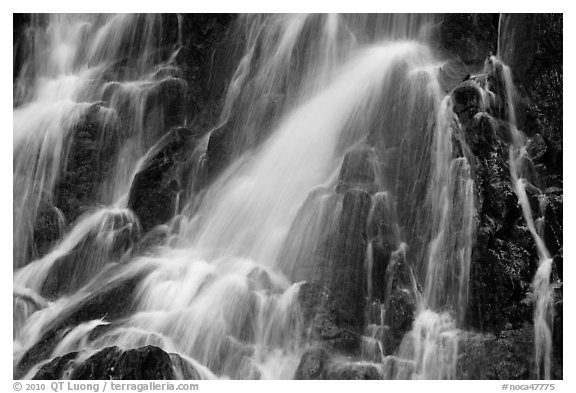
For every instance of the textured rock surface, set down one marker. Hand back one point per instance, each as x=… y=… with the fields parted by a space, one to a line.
x=508 y=355
x=147 y=363
x=312 y=364
x=158 y=185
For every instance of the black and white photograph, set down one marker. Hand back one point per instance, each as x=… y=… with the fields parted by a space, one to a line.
x=286 y=196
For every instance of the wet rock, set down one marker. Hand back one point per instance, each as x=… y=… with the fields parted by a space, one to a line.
x=508 y=356
x=519 y=41
x=558 y=328
x=353 y=372
x=341 y=337
x=156 y=188
x=49 y=228
x=24 y=304
x=184 y=370
x=156 y=237
x=112 y=301
x=399 y=318
x=398 y=368
x=357 y=170
x=92 y=147
x=306 y=251
x=58 y=368
x=206 y=57
x=553 y=223
x=148 y=363
x=99 y=366
x=467 y=99
x=481 y=135
x=536 y=147
x=219 y=151
x=469 y=37
x=312 y=297
x=107 y=243
x=400 y=301
x=144 y=363
x=348 y=287
x=312 y=364
x=383 y=233
x=165 y=107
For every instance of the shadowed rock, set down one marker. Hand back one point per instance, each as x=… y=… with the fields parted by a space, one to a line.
x=155 y=191
x=146 y=363
x=92 y=147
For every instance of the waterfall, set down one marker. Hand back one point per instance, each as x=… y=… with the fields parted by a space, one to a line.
x=327 y=158
x=542 y=291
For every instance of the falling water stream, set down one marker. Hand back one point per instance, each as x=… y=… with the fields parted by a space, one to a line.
x=223 y=290
x=542 y=291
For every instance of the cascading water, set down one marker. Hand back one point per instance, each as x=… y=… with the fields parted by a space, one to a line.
x=336 y=153
x=542 y=290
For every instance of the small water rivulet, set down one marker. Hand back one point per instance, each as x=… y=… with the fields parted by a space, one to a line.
x=322 y=209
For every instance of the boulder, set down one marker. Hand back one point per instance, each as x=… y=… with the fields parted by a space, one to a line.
x=145 y=363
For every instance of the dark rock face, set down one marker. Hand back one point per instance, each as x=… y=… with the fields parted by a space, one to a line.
x=146 y=363
x=348 y=282
x=469 y=37
x=99 y=366
x=505 y=257
x=156 y=188
x=508 y=355
x=383 y=233
x=49 y=228
x=467 y=100
x=400 y=301
x=219 y=151
x=92 y=148
x=165 y=107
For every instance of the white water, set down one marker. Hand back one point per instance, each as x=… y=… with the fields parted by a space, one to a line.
x=223 y=292
x=542 y=292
